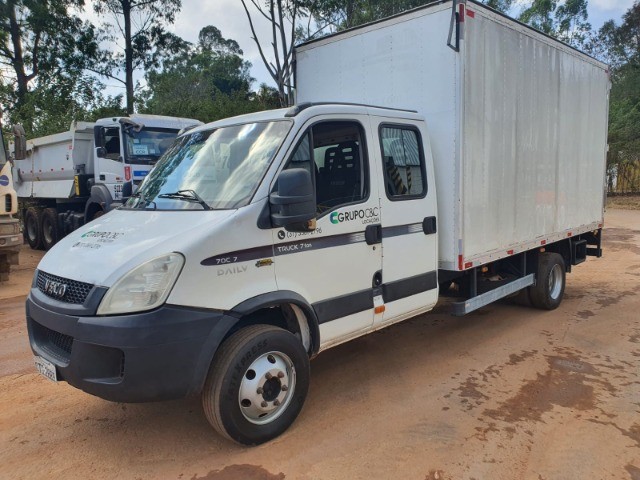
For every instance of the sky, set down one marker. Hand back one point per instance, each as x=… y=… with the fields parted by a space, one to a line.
x=230 y=18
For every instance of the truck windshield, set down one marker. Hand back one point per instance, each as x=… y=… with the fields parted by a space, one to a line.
x=147 y=145
x=221 y=167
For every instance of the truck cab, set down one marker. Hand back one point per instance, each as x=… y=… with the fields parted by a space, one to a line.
x=10 y=238
x=126 y=149
x=68 y=179
x=246 y=222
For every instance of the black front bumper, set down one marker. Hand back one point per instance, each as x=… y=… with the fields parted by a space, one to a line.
x=158 y=355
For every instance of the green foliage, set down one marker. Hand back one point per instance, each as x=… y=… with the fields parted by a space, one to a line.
x=342 y=14
x=565 y=20
x=208 y=81
x=619 y=46
x=45 y=49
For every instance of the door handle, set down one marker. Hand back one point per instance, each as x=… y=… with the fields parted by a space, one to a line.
x=429 y=225
x=373 y=234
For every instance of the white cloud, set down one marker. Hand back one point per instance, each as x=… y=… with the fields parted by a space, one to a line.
x=617 y=7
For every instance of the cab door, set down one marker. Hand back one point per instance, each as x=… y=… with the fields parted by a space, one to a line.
x=109 y=168
x=409 y=223
x=333 y=267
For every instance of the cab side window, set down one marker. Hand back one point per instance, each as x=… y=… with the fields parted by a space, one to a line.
x=404 y=167
x=338 y=163
x=112 y=143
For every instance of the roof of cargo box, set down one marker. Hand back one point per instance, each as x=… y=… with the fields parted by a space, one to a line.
x=442 y=2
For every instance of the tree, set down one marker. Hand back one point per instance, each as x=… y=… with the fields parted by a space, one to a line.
x=207 y=81
x=44 y=50
x=566 y=21
x=282 y=16
x=335 y=15
x=619 y=46
x=140 y=23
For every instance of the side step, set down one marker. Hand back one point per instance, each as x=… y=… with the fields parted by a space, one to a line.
x=467 y=306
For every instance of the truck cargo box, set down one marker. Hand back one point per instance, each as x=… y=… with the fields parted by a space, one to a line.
x=517 y=120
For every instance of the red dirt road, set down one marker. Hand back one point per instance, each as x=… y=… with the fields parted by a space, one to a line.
x=504 y=393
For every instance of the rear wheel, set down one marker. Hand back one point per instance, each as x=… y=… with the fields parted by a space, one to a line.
x=32 y=227
x=257 y=384
x=49 y=228
x=548 y=291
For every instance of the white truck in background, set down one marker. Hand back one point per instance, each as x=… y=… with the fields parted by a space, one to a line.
x=261 y=240
x=10 y=237
x=68 y=179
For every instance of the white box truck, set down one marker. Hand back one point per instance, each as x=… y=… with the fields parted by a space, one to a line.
x=68 y=179
x=261 y=240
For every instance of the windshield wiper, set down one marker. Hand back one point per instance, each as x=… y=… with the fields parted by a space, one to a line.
x=187 y=196
x=145 y=203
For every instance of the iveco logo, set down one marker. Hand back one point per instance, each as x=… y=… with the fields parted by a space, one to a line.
x=55 y=289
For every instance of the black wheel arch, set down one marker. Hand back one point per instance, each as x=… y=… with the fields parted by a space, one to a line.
x=100 y=197
x=278 y=299
x=245 y=314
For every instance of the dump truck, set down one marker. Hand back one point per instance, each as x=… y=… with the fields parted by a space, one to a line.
x=449 y=151
x=68 y=179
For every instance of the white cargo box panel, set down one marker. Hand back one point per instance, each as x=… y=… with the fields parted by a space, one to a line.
x=50 y=166
x=517 y=121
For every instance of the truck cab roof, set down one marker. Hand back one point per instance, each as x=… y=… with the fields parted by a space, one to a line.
x=153 y=121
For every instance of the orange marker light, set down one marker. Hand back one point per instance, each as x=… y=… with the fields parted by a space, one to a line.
x=379 y=309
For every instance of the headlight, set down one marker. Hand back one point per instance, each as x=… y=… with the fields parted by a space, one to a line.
x=143 y=288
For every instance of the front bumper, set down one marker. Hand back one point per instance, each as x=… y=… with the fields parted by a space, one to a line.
x=158 y=355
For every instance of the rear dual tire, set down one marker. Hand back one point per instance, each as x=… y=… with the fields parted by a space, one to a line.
x=41 y=227
x=548 y=291
x=32 y=232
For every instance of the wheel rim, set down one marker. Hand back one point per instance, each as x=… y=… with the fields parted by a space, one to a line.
x=555 y=281
x=267 y=388
x=47 y=232
x=31 y=229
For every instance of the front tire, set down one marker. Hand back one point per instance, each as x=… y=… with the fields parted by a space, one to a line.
x=548 y=291
x=257 y=384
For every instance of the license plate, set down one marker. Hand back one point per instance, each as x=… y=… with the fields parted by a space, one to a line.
x=46 y=368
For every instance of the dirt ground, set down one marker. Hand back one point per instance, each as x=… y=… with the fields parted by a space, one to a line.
x=504 y=393
x=626 y=202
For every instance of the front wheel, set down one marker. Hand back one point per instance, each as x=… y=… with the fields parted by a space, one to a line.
x=257 y=384
x=548 y=291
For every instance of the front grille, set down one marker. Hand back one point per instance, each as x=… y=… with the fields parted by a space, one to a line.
x=7 y=203
x=56 y=344
x=10 y=228
x=75 y=292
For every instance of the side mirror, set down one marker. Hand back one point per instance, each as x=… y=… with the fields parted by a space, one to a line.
x=293 y=206
x=127 y=190
x=101 y=152
x=98 y=136
x=20 y=143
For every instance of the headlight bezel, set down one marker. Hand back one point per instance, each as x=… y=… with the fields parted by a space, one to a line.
x=118 y=298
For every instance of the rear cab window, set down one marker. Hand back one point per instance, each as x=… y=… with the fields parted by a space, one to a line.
x=403 y=162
